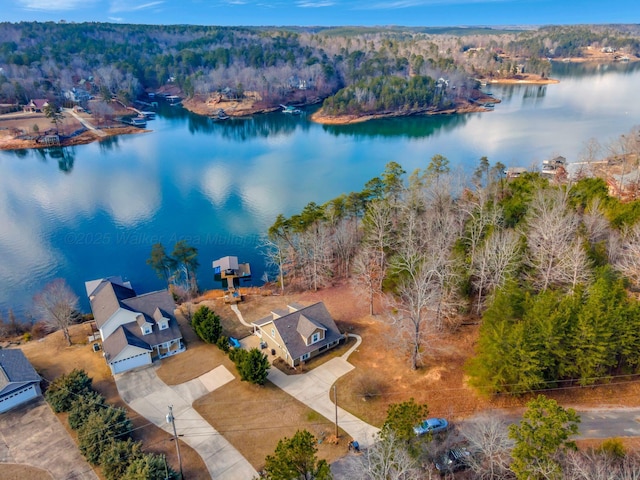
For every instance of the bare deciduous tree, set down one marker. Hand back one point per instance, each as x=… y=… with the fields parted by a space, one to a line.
x=488 y=437
x=495 y=263
x=57 y=306
x=386 y=459
x=628 y=260
x=551 y=241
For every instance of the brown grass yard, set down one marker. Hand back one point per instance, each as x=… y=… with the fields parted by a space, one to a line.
x=13 y=471
x=254 y=418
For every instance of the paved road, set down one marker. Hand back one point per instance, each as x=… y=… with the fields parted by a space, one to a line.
x=597 y=422
x=145 y=393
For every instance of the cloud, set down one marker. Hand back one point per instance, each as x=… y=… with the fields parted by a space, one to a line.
x=54 y=5
x=129 y=6
x=116 y=19
x=398 y=4
x=313 y=4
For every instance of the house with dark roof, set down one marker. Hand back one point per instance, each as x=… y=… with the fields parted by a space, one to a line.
x=19 y=382
x=299 y=333
x=36 y=105
x=135 y=329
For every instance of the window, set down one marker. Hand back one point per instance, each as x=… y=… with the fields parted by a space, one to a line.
x=273 y=332
x=315 y=338
x=305 y=356
x=146 y=329
x=163 y=325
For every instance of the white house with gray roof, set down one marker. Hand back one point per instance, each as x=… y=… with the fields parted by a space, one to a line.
x=135 y=329
x=299 y=333
x=19 y=382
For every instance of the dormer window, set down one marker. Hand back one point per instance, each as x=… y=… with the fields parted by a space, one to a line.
x=146 y=329
x=315 y=337
x=163 y=324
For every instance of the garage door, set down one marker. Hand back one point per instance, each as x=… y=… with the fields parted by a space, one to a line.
x=18 y=397
x=131 y=362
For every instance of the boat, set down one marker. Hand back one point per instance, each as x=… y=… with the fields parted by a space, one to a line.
x=139 y=121
x=220 y=115
x=173 y=100
x=148 y=115
x=290 y=110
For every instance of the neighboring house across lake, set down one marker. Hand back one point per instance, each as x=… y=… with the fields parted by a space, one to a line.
x=299 y=333
x=135 y=329
x=36 y=105
x=19 y=382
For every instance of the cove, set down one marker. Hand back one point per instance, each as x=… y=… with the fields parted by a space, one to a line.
x=95 y=210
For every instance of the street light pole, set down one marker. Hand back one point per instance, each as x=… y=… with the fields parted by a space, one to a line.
x=335 y=400
x=171 y=420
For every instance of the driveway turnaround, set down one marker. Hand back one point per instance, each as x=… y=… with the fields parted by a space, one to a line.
x=145 y=393
x=314 y=389
x=32 y=435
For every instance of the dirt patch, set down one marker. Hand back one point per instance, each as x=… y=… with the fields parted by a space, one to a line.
x=12 y=471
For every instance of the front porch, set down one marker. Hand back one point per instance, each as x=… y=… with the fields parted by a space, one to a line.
x=168 y=349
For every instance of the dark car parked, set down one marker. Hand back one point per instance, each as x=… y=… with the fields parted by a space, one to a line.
x=453 y=460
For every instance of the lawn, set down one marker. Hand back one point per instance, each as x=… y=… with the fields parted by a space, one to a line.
x=254 y=418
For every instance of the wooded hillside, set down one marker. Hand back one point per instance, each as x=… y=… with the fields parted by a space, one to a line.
x=44 y=60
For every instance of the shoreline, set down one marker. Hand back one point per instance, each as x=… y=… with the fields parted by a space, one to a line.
x=462 y=107
x=85 y=138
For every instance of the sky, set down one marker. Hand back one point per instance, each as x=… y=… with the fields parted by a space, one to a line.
x=325 y=12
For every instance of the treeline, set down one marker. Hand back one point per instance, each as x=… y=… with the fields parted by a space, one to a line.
x=547 y=267
x=387 y=94
x=565 y=41
x=104 y=431
x=42 y=60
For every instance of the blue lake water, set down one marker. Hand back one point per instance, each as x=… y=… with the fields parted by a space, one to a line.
x=95 y=210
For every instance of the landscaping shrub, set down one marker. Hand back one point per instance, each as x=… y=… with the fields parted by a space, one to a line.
x=100 y=428
x=66 y=388
x=150 y=467
x=223 y=344
x=117 y=456
x=207 y=325
x=83 y=406
x=253 y=365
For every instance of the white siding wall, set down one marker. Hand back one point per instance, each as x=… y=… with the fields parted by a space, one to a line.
x=120 y=317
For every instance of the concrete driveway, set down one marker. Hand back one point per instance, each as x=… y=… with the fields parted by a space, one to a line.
x=145 y=393
x=32 y=435
x=314 y=390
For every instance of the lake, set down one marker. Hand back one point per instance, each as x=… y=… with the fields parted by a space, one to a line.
x=95 y=210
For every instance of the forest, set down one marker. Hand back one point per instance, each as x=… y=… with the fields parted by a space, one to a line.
x=549 y=270
x=44 y=60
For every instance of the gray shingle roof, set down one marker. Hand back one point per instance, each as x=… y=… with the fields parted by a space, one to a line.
x=119 y=340
x=106 y=299
x=306 y=326
x=318 y=314
x=15 y=371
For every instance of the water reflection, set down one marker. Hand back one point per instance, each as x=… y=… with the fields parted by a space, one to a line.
x=418 y=126
x=221 y=184
x=573 y=70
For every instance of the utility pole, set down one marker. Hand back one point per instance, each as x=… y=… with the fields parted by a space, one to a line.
x=171 y=420
x=335 y=401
